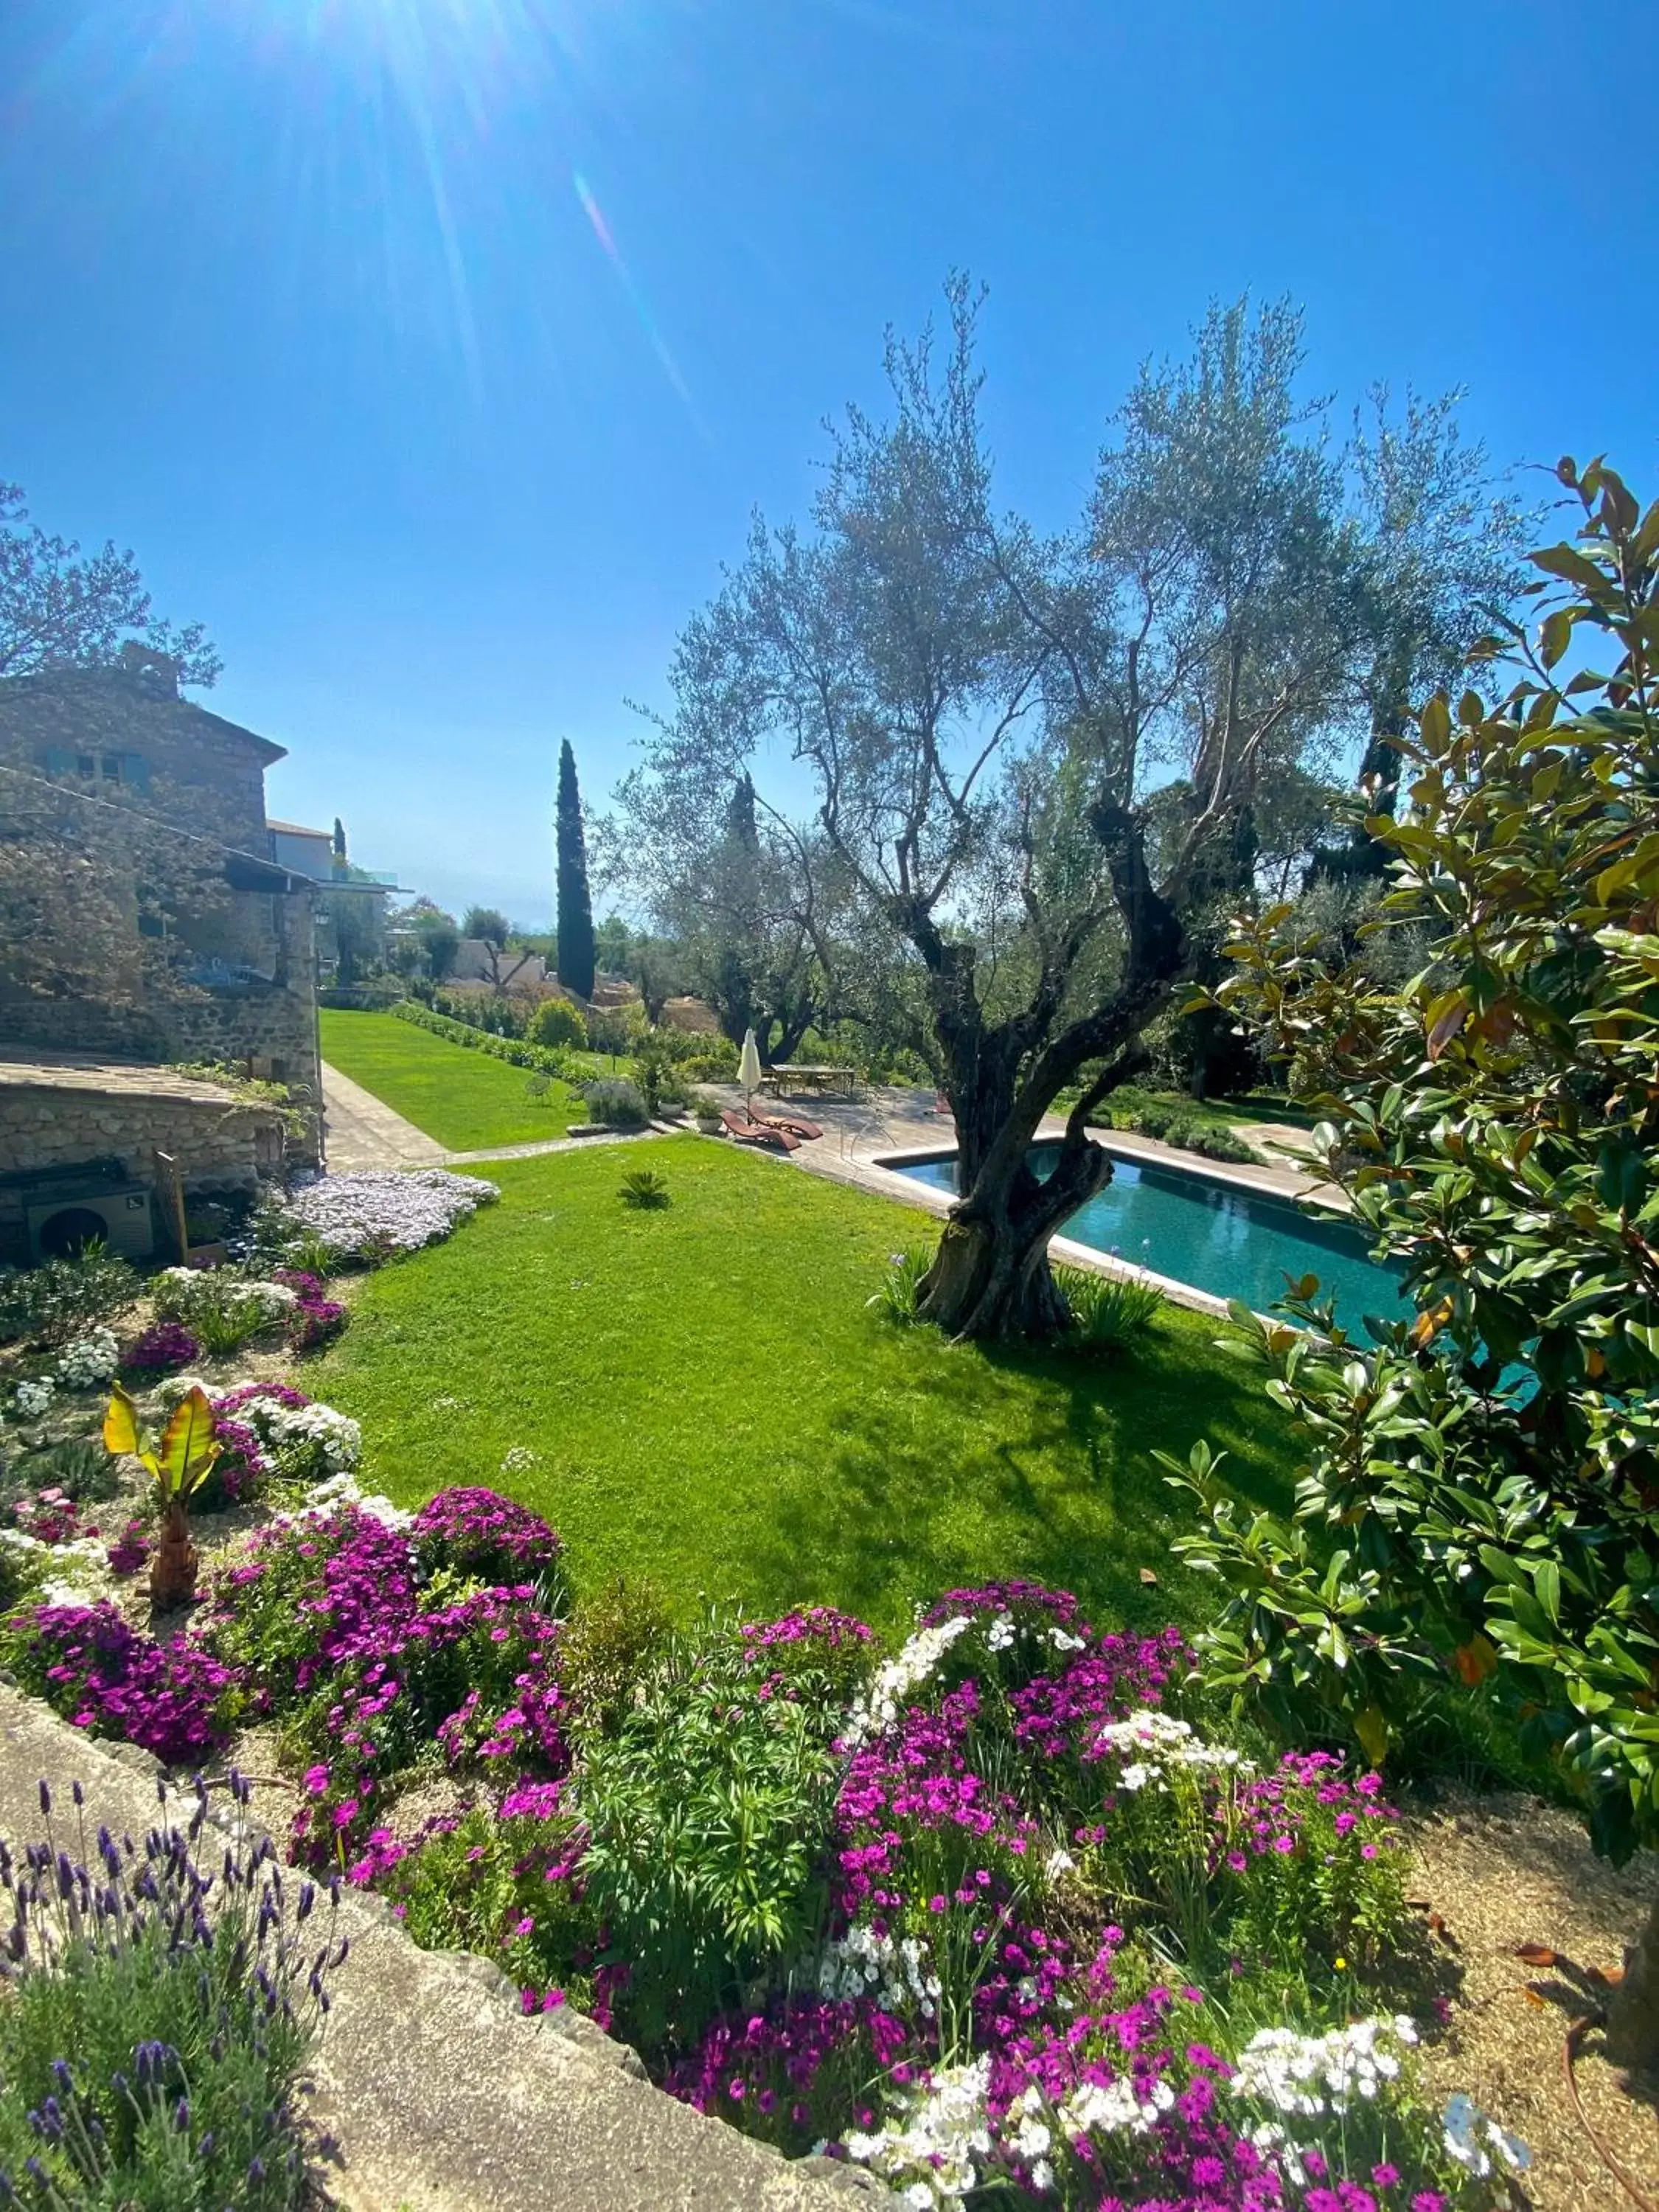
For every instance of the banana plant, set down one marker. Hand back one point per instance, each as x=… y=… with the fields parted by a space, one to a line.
x=180 y=1457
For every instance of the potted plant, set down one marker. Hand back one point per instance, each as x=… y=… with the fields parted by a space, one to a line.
x=179 y=1460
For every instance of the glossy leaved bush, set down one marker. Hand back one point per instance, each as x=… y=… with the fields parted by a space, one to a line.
x=1481 y=1504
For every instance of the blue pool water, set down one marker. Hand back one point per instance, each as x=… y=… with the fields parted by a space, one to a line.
x=1231 y=1243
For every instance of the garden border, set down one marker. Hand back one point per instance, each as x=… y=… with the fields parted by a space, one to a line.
x=441 y=2095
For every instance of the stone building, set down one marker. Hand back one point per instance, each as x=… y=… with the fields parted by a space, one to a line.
x=96 y=1149
x=142 y=917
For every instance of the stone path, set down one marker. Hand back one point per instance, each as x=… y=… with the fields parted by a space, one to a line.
x=441 y=2096
x=360 y=1131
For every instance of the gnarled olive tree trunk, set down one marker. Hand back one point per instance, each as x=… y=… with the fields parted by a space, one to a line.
x=991 y=1277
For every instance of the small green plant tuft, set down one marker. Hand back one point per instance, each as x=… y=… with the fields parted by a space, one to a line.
x=611 y=1644
x=1109 y=1312
x=645 y=1190
x=898 y=1297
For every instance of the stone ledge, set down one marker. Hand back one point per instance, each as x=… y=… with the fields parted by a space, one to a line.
x=441 y=2095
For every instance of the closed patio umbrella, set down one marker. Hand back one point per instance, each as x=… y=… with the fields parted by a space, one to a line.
x=749 y=1069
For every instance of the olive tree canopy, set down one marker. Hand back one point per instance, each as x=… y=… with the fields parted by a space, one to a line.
x=1030 y=759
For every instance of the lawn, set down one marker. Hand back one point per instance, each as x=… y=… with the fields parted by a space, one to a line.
x=700 y=1395
x=466 y=1099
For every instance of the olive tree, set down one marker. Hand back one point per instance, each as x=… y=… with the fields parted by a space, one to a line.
x=1029 y=758
x=748 y=909
x=61 y=608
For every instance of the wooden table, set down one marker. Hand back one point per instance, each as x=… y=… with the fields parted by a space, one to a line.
x=792 y=1075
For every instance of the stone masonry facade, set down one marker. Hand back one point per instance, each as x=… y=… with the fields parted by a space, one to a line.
x=57 y=1118
x=111 y=767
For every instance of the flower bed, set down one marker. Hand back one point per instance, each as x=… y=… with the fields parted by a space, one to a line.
x=383 y=1211
x=998 y=1912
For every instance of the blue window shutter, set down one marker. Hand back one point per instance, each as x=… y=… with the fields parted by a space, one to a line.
x=57 y=760
x=135 y=770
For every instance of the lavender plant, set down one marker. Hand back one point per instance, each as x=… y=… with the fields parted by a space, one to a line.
x=157 y=2017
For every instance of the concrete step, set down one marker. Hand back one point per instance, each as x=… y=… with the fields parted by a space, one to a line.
x=441 y=2096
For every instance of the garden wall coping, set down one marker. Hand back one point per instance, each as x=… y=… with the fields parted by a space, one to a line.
x=440 y=2095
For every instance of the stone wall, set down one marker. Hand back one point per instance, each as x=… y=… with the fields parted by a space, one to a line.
x=60 y=1119
x=69 y=723
x=216 y=960
x=261 y=1031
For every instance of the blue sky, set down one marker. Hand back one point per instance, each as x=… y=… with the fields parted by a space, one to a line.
x=433 y=352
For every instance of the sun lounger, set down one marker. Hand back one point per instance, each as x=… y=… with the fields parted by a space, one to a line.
x=796 y=1124
x=743 y=1131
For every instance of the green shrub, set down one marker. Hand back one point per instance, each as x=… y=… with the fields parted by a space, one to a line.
x=616 y=1029
x=556 y=1022
x=616 y=1102
x=901 y=1286
x=707 y=1810
x=1479 y=1502
x=657 y=1071
x=1211 y=1139
x=114 y=2014
x=644 y=1189
x=548 y=1059
x=1109 y=1312
x=278 y=1240
x=714 y=1060
x=222 y=1309
x=611 y=1643
x=79 y=1466
x=483 y=1886
x=62 y=1298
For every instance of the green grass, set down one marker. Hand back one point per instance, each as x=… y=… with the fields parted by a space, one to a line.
x=464 y=1098
x=711 y=1404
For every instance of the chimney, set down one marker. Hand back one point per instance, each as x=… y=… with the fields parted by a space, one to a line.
x=156 y=673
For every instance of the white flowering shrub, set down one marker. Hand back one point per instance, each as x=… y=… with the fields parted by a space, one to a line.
x=892 y=1971
x=1475 y=2142
x=222 y=1310
x=74 y=1572
x=898 y=1680
x=1154 y=1745
x=1344 y=2098
x=386 y=1210
x=1311 y=2075
x=342 y=1490
x=927 y=2145
x=89 y=1361
x=32 y=1400
x=305 y=1443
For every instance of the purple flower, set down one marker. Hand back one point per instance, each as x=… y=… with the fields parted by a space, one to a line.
x=167 y=1344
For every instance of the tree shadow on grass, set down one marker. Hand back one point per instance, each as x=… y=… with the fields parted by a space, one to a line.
x=997 y=1462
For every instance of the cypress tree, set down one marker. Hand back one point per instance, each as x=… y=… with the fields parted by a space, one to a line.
x=575 y=918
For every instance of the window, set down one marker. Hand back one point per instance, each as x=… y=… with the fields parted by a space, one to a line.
x=129 y=769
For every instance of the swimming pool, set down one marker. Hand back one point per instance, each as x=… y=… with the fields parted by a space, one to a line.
x=1220 y=1237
